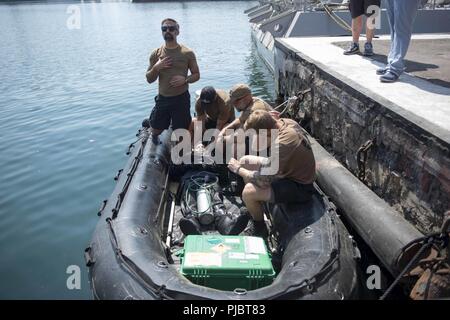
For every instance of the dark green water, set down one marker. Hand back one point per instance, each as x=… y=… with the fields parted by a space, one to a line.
x=71 y=102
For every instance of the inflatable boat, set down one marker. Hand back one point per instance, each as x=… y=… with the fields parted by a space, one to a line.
x=137 y=250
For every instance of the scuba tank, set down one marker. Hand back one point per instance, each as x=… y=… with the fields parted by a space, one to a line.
x=208 y=206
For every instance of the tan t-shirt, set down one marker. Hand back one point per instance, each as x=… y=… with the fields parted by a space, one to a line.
x=258 y=104
x=220 y=109
x=182 y=60
x=296 y=157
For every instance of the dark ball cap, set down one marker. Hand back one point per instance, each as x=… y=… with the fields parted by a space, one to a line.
x=207 y=95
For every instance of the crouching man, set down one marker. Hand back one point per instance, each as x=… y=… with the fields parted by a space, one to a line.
x=292 y=182
x=242 y=99
x=214 y=111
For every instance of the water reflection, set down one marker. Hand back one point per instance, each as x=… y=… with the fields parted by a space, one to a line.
x=259 y=76
x=71 y=102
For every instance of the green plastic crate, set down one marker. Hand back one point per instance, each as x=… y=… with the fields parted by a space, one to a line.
x=227 y=262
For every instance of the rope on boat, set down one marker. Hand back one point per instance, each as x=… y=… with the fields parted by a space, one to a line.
x=134 y=270
x=339 y=21
x=144 y=136
x=292 y=100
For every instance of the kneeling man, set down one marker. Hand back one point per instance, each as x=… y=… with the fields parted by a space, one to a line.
x=292 y=182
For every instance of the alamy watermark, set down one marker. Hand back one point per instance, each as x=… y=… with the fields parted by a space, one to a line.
x=374 y=20
x=73 y=281
x=374 y=279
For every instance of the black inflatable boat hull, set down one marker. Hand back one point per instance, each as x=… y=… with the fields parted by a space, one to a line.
x=127 y=256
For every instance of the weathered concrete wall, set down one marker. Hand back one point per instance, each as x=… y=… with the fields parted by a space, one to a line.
x=407 y=167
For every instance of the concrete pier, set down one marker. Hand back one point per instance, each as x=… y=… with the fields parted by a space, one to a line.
x=407 y=122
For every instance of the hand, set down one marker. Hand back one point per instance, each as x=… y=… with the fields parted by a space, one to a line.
x=275 y=114
x=222 y=133
x=199 y=148
x=220 y=139
x=164 y=63
x=233 y=165
x=177 y=81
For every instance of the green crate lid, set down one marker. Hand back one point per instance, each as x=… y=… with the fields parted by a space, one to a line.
x=226 y=256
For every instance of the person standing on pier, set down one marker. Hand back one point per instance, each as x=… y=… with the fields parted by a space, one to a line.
x=357 y=9
x=170 y=64
x=401 y=18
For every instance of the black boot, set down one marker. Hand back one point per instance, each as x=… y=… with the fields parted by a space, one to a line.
x=226 y=225
x=189 y=225
x=155 y=139
x=258 y=229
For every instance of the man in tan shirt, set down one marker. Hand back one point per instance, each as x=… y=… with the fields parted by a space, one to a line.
x=170 y=65
x=293 y=181
x=242 y=99
x=213 y=109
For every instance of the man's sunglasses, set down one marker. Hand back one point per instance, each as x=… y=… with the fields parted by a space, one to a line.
x=170 y=28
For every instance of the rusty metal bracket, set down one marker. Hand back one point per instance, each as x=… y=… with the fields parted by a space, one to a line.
x=431 y=285
x=99 y=212
x=361 y=159
x=301 y=93
x=293 y=102
x=88 y=256
x=432 y=271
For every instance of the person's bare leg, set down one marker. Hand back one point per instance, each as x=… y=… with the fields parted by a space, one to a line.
x=252 y=197
x=356 y=28
x=370 y=31
x=191 y=127
x=194 y=128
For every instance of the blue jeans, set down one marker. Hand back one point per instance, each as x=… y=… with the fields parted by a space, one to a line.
x=401 y=15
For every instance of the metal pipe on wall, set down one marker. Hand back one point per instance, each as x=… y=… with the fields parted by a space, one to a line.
x=383 y=229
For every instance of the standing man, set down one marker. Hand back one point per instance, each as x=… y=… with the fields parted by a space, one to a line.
x=170 y=64
x=358 y=8
x=401 y=18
